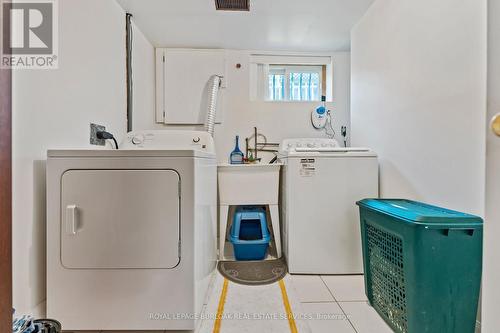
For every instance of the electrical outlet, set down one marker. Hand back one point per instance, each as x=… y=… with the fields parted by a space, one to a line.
x=93 y=135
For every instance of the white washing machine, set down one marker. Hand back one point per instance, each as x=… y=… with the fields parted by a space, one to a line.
x=131 y=233
x=320 y=185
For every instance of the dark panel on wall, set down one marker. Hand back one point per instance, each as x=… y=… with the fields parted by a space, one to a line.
x=5 y=198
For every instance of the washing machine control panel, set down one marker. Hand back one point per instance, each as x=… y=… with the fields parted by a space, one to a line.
x=308 y=145
x=169 y=140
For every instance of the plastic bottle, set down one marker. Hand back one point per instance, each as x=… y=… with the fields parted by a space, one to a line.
x=236 y=156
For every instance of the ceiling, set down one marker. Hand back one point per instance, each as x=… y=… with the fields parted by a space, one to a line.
x=294 y=25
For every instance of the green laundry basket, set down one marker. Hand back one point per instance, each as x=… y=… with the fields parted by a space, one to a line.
x=422 y=265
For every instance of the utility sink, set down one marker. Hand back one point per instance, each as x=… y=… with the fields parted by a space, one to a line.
x=249 y=184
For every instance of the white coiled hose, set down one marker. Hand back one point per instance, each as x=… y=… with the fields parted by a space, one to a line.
x=212 y=103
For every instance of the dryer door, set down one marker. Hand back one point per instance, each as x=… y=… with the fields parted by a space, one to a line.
x=120 y=219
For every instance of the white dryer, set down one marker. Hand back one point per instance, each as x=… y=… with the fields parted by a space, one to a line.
x=131 y=233
x=321 y=183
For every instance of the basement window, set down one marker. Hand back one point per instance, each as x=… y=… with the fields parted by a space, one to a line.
x=276 y=78
x=294 y=83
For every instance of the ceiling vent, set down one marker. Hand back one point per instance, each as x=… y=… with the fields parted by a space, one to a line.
x=238 y=5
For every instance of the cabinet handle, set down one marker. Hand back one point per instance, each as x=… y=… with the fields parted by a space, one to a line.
x=71 y=219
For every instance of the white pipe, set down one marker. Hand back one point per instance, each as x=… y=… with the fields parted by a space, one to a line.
x=212 y=103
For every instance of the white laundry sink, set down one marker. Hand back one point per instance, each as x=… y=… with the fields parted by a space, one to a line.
x=248 y=184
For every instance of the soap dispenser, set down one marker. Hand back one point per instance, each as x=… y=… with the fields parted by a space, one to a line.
x=236 y=156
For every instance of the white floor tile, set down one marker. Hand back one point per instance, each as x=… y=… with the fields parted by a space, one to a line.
x=310 y=288
x=346 y=288
x=210 y=310
x=326 y=318
x=132 y=331
x=297 y=307
x=364 y=318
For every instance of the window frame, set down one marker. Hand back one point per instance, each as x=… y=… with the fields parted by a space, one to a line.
x=259 y=63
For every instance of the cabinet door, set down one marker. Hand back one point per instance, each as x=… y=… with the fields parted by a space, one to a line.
x=183 y=85
x=120 y=219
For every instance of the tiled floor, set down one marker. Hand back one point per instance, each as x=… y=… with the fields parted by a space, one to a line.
x=337 y=304
x=325 y=303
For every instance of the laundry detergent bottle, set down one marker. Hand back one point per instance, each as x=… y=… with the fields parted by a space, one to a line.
x=236 y=156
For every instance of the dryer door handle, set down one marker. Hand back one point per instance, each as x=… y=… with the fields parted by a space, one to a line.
x=71 y=212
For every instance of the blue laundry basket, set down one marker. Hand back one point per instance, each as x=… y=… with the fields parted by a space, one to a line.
x=422 y=265
x=249 y=233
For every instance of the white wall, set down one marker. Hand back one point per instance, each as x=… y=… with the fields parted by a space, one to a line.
x=53 y=109
x=276 y=120
x=418 y=98
x=143 y=77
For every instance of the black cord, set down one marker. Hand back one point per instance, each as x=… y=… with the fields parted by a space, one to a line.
x=343 y=130
x=129 y=76
x=116 y=143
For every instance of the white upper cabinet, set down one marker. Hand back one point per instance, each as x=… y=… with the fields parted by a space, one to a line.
x=182 y=84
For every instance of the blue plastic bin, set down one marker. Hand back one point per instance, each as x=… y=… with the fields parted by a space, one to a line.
x=249 y=233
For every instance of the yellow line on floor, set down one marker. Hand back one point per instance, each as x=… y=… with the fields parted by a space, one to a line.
x=220 y=308
x=288 y=308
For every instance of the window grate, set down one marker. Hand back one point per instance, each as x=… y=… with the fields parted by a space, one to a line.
x=277 y=87
x=294 y=83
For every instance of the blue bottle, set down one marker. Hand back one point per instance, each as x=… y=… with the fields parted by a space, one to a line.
x=236 y=156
